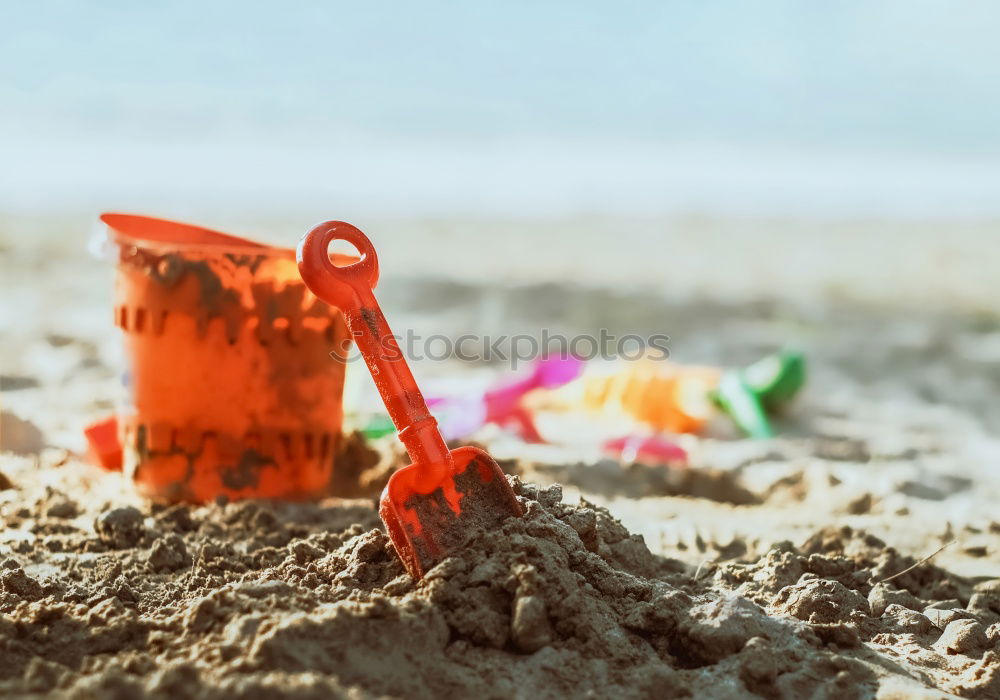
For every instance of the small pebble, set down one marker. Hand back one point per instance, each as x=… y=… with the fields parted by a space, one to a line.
x=169 y=554
x=63 y=509
x=882 y=595
x=962 y=637
x=984 y=603
x=529 y=626
x=758 y=664
x=942 y=618
x=121 y=528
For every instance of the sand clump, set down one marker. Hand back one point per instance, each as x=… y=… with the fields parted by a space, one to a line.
x=309 y=600
x=120 y=528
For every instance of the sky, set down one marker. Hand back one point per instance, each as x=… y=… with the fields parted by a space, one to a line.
x=861 y=107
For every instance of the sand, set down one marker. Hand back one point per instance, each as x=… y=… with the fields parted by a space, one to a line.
x=302 y=600
x=777 y=567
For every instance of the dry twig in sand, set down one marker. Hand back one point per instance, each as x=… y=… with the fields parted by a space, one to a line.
x=921 y=562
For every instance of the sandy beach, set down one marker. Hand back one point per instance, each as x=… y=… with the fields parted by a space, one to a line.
x=780 y=546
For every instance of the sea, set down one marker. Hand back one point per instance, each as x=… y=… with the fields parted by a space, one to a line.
x=853 y=109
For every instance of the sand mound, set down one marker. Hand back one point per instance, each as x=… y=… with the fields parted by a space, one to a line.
x=307 y=600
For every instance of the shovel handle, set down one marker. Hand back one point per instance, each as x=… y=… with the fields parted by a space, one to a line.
x=349 y=288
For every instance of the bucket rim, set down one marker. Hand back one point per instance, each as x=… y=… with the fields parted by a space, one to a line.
x=154 y=232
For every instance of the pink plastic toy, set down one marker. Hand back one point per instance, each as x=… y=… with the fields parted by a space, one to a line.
x=502 y=405
x=647 y=449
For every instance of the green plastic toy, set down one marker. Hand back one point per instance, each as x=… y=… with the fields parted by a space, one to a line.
x=748 y=395
x=378 y=426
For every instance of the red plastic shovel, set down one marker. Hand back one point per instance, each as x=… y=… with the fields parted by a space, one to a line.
x=431 y=507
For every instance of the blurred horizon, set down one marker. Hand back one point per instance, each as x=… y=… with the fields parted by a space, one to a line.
x=859 y=109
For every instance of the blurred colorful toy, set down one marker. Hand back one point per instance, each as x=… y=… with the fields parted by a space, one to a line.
x=378 y=426
x=748 y=395
x=673 y=398
x=104 y=447
x=776 y=379
x=735 y=397
x=664 y=396
x=648 y=449
x=503 y=405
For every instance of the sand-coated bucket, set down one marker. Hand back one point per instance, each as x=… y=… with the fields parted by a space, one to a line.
x=231 y=389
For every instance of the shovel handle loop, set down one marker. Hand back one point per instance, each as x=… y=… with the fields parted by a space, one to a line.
x=340 y=286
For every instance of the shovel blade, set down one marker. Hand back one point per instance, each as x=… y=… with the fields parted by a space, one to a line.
x=427 y=524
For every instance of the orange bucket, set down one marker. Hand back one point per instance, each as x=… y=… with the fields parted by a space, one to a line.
x=231 y=389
